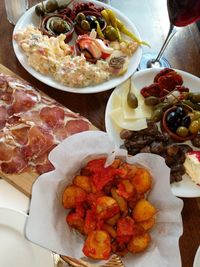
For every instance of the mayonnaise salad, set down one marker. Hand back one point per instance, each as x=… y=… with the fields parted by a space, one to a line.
x=52 y=56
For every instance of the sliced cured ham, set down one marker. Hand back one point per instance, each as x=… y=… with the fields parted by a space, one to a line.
x=77 y=126
x=31 y=125
x=39 y=141
x=53 y=116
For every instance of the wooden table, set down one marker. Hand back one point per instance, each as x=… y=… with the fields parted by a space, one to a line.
x=183 y=52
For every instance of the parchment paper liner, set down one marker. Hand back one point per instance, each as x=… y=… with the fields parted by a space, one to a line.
x=46 y=224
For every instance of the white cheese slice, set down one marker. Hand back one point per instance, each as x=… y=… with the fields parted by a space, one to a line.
x=192 y=167
x=142 y=111
x=116 y=100
x=134 y=125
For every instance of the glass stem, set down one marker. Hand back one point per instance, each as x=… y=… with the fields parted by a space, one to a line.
x=172 y=31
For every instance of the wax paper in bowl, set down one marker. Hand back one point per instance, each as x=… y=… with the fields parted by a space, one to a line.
x=47 y=227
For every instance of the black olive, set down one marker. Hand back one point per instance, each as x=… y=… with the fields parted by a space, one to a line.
x=173 y=120
x=92 y=21
x=181 y=112
x=186 y=121
x=101 y=22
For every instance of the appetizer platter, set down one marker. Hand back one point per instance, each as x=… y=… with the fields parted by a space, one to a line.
x=155 y=124
x=84 y=47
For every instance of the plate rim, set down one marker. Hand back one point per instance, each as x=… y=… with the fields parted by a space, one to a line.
x=196 y=257
x=21 y=217
x=140 y=74
x=83 y=90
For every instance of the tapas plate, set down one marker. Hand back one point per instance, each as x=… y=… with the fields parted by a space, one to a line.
x=185 y=188
x=15 y=249
x=31 y=18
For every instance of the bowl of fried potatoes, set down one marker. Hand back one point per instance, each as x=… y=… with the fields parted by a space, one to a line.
x=100 y=202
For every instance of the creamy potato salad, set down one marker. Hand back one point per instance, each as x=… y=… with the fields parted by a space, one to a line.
x=52 y=56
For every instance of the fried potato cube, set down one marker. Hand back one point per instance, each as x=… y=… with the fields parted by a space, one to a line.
x=110 y=230
x=105 y=207
x=113 y=220
x=125 y=189
x=142 y=180
x=72 y=195
x=97 y=245
x=147 y=225
x=143 y=210
x=75 y=221
x=139 y=243
x=83 y=182
x=120 y=201
x=131 y=169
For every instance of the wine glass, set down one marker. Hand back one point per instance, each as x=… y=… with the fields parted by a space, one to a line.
x=181 y=13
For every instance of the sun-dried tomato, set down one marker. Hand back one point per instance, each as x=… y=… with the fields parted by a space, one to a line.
x=151 y=90
x=169 y=81
x=162 y=73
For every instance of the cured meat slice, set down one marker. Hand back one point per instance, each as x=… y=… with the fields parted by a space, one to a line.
x=39 y=141
x=17 y=164
x=3 y=116
x=32 y=117
x=6 y=151
x=23 y=100
x=53 y=116
x=20 y=133
x=76 y=126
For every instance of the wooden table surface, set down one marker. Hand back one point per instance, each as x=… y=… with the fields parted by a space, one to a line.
x=183 y=52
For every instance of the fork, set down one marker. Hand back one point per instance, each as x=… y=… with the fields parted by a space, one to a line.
x=115 y=261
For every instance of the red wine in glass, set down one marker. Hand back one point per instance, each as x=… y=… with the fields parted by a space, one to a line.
x=181 y=13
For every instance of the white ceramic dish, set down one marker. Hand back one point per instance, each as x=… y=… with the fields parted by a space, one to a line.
x=197 y=258
x=185 y=188
x=31 y=18
x=15 y=249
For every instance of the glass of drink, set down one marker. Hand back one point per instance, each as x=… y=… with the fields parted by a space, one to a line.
x=14 y=9
x=181 y=13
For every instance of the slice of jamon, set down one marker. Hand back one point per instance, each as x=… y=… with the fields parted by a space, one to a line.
x=20 y=133
x=17 y=163
x=6 y=151
x=3 y=116
x=39 y=142
x=76 y=126
x=42 y=163
x=23 y=100
x=31 y=117
x=53 y=116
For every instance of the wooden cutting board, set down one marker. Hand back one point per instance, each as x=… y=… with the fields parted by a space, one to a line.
x=25 y=180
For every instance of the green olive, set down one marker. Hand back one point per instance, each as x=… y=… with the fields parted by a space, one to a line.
x=39 y=10
x=51 y=6
x=151 y=101
x=182 y=131
x=196 y=115
x=85 y=25
x=59 y=26
x=132 y=100
x=79 y=17
x=195 y=97
x=194 y=126
x=157 y=114
x=111 y=33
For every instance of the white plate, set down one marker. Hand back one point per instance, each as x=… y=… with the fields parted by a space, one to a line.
x=197 y=258
x=15 y=249
x=185 y=188
x=31 y=18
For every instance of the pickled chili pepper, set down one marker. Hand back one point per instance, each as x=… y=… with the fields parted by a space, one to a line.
x=105 y=16
x=113 y=22
x=99 y=31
